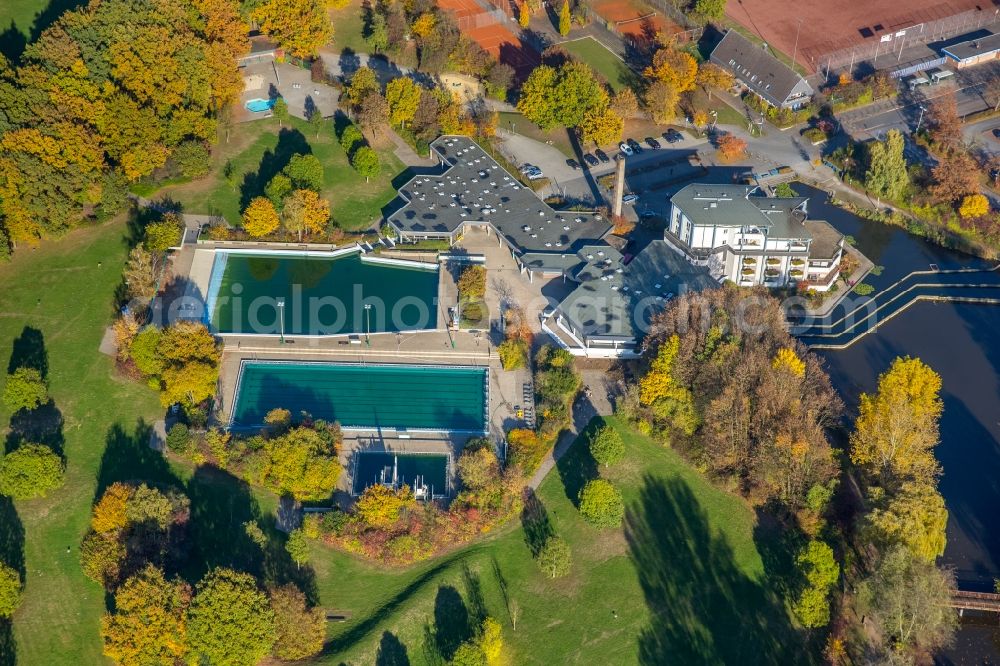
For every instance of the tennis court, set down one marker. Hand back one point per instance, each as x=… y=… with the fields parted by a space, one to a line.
x=364 y=396
x=419 y=471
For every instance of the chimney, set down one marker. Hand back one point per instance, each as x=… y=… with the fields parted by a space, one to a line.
x=616 y=209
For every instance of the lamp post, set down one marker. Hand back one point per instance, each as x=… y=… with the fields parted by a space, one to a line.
x=368 y=323
x=281 y=318
x=920 y=119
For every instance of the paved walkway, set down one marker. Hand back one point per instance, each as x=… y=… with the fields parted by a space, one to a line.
x=406 y=154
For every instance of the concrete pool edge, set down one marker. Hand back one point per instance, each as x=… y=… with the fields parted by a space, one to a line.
x=354 y=462
x=398 y=432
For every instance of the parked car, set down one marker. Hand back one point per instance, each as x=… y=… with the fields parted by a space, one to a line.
x=996 y=133
x=573 y=164
x=634 y=145
x=590 y=159
x=625 y=148
x=630 y=198
x=535 y=175
x=526 y=167
x=672 y=135
x=603 y=156
x=652 y=143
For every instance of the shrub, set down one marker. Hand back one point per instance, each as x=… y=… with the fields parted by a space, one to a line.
x=513 y=354
x=179 y=438
x=601 y=504
x=25 y=389
x=607 y=446
x=31 y=470
x=863 y=289
x=555 y=557
x=164 y=234
x=10 y=590
x=526 y=449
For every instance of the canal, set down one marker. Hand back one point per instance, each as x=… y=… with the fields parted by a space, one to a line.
x=961 y=342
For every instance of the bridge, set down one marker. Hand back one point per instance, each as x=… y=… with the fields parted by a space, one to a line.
x=979 y=601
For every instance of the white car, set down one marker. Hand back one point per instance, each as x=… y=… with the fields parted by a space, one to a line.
x=630 y=198
x=625 y=148
x=535 y=175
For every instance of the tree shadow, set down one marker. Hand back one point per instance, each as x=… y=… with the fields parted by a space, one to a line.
x=391 y=652
x=290 y=142
x=452 y=623
x=13 y=41
x=43 y=425
x=221 y=504
x=703 y=608
x=29 y=352
x=474 y=596
x=535 y=522
x=128 y=457
x=578 y=466
x=11 y=554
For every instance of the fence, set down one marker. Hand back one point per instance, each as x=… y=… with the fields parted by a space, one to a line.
x=481 y=20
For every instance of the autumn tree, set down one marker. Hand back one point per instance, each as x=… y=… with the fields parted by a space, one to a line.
x=946 y=126
x=625 y=103
x=914 y=516
x=565 y=20
x=189 y=357
x=601 y=504
x=732 y=147
x=661 y=99
x=712 y=76
x=561 y=96
x=955 y=177
x=29 y=471
x=673 y=66
x=363 y=82
x=230 y=621
x=472 y=282
x=381 y=507
x=973 y=206
x=140 y=273
x=260 y=218
x=373 y=112
x=886 y=175
x=299 y=26
x=607 y=446
x=148 y=623
x=897 y=426
x=305 y=212
x=24 y=389
x=602 y=126
x=664 y=394
x=10 y=590
x=299 y=630
x=402 y=96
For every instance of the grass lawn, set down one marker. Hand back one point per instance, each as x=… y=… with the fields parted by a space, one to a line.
x=604 y=62
x=260 y=149
x=558 y=136
x=348 y=27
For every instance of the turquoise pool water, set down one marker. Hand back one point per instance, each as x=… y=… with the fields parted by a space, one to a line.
x=369 y=397
x=431 y=469
x=259 y=105
x=321 y=295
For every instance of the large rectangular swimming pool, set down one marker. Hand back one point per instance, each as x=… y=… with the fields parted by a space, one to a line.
x=365 y=397
x=293 y=293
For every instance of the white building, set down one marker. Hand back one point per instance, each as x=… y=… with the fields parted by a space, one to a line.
x=751 y=239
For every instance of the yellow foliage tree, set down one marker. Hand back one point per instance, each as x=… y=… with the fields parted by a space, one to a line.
x=787 y=360
x=306 y=212
x=712 y=76
x=675 y=67
x=973 y=206
x=898 y=425
x=260 y=218
x=148 y=625
x=602 y=126
x=380 y=506
x=300 y=26
x=916 y=517
x=403 y=96
x=523 y=15
x=661 y=100
x=424 y=25
x=659 y=390
x=109 y=512
x=700 y=118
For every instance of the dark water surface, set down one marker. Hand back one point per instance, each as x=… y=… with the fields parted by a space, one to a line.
x=962 y=343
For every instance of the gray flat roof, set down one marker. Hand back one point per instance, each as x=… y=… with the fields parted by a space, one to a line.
x=974 y=47
x=740 y=205
x=474 y=189
x=616 y=300
x=826 y=239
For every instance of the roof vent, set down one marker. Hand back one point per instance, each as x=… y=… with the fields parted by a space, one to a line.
x=714 y=204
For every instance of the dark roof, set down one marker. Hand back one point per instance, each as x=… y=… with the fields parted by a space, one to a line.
x=473 y=188
x=974 y=47
x=757 y=69
x=740 y=205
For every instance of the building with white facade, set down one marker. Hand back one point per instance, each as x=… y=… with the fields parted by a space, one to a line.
x=750 y=239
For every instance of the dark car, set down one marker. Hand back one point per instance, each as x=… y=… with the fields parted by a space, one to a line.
x=672 y=136
x=573 y=163
x=634 y=145
x=996 y=133
x=652 y=143
x=590 y=159
x=603 y=156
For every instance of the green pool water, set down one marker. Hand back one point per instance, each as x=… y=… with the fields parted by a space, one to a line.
x=321 y=295
x=440 y=398
x=433 y=468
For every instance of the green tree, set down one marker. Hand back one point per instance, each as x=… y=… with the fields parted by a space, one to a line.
x=555 y=558
x=25 y=389
x=351 y=138
x=563 y=96
x=887 y=175
x=280 y=110
x=317 y=121
x=365 y=161
x=301 y=462
x=820 y=570
x=565 y=19
x=305 y=172
x=784 y=190
x=192 y=158
x=362 y=83
x=300 y=630
x=711 y=10
x=907 y=599
x=403 y=96
x=915 y=516
x=164 y=234
x=10 y=590
x=297 y=547
x=601 y=504
x=30 y=471
x=377 y=36
x=143 y=352
x=607 y=446
x=277 y=189
x=230 y=622
x=147 y=625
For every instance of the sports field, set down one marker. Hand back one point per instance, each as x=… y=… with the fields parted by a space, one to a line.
x=635 y=18
x=822 y=28
x=491 y=34
x=606 y=63
x=406 y=397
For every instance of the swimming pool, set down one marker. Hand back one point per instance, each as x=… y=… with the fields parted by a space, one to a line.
x=260 y=105
x=416 y=470
x=302 y=293
x=364 y=397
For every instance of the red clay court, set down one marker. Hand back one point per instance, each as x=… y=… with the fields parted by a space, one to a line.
x=489 y=32
x=832 y=26
x=635 y=18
